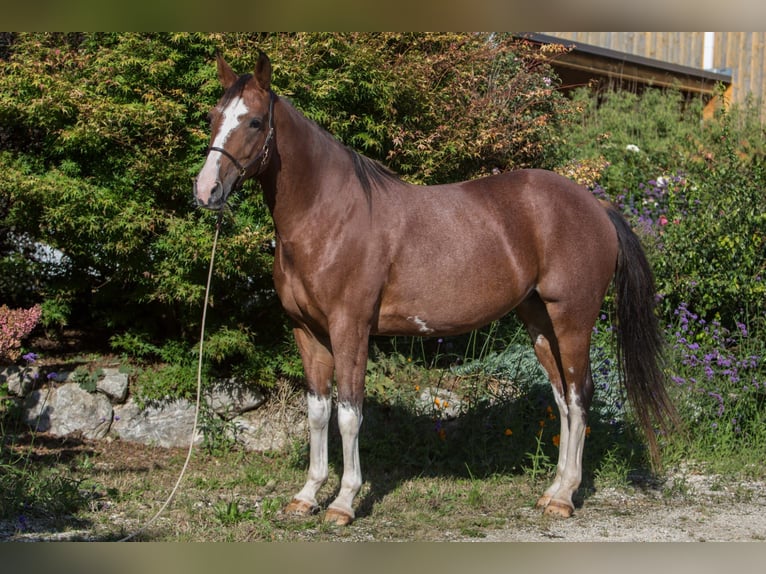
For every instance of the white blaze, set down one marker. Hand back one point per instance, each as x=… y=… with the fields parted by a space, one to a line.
x=232 y=115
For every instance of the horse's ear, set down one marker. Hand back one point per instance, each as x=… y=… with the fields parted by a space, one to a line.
x=226 y=75
x=262 y=73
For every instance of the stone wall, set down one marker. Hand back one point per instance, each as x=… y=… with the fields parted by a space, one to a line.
x=61 y=407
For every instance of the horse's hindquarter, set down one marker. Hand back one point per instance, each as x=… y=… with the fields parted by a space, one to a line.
x=467 y=254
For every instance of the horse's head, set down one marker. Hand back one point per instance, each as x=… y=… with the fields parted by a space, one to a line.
x=242 y=129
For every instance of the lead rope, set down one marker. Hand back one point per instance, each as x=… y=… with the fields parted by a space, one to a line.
x=199 y=390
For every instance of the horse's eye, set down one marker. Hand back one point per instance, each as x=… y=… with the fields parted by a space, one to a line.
x=255 y=123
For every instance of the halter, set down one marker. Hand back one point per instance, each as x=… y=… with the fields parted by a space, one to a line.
x=262 y=156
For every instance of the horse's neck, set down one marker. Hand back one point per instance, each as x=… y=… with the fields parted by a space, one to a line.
x=309 y=181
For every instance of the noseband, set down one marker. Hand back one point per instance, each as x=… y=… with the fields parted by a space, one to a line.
x=260 y=158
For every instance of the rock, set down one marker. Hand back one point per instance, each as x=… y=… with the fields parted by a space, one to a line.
x=230 y=398
x=63 y=407
x=20 y=380
x=441 y=402
x=68 y=410
x=262 y=431
x=114 y=385
x=168 y=425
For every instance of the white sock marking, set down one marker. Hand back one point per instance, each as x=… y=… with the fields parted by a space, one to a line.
x=349 y=421
x=319 y=409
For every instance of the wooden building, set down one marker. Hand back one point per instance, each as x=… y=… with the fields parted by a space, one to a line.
x=694 y=62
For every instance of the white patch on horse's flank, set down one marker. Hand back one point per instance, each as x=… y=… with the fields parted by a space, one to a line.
x=539 y=341
x=421 y=324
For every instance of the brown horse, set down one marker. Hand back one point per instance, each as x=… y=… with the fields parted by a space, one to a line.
x=361 y=252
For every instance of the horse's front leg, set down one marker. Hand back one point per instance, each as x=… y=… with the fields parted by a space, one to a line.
x=350 y=350
x=318 y=366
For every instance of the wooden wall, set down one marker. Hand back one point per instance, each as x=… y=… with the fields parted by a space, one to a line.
x=743 y=53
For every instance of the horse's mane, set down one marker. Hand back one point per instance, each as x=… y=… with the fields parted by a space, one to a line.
x=370 y=172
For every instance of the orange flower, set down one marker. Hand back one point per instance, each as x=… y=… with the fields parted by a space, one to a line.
x=542 y=424
x=556 y=440
x=587 y=431
x=508 y=432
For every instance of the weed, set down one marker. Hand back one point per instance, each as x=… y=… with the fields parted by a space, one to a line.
x=475 y=494
x=613 y=470
x=86 y=378
x=229 y=513
x=219 y=435
x=540 y=464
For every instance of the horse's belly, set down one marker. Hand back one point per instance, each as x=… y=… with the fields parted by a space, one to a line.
x=438 y=312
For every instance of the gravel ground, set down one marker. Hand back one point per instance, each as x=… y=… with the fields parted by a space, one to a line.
x=702 y=509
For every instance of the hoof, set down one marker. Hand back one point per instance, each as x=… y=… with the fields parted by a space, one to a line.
x=300 y=508
x=543 y=501
x=560 y=509
x=338 y=517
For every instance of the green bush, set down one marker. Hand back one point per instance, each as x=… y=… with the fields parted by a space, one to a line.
x=638 y=136
x=694 y=189
x=102 y=132
x=696 y=194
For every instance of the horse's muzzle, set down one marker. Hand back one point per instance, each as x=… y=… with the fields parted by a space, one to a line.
x=211 y=198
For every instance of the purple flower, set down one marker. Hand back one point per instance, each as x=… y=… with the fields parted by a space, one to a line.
x=52 y=376
x=742 y=328
x=720 y=402
x=30 y=357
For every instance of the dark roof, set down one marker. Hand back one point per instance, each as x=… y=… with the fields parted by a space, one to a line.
x=652 y=69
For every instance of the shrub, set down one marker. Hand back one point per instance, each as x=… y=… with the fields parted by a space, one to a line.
x=101 y=133
x=719 y=377
x=693 y=189
x=16 y=325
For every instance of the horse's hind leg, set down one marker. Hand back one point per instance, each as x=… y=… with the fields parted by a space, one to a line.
x=318 y=365
x=562 y=344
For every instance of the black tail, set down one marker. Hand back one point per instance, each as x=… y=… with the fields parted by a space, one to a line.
x=639 y=340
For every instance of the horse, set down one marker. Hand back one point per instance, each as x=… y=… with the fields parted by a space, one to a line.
x=361 y=252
